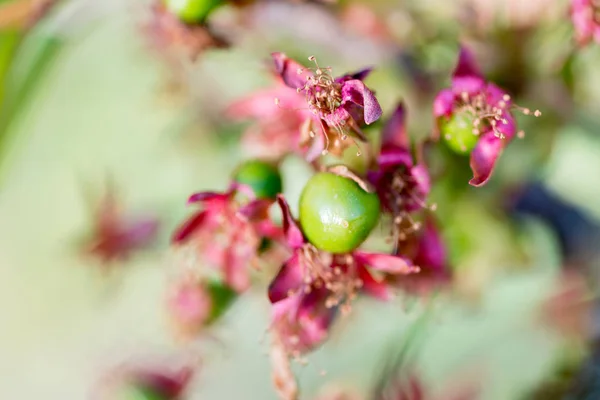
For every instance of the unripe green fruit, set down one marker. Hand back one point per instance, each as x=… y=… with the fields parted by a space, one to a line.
x=457 y=132
x=192 y=11
x=336 y=214
x=137 y=392
x=262 y=177
x=222 y=297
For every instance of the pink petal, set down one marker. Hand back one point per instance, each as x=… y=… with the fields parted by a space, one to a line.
x=141 y=232
x=289 y=278
x=256 y=209
x=484 y=156
x=293 y=234
x=384 y=262
x=421 y=176
x=288 y=70
x=207 y=196
x=189 y=227
x=372 y=287
x=394 y=130
x=431 y=252
x=360 y=75
x=443 y=103
x=355 y=91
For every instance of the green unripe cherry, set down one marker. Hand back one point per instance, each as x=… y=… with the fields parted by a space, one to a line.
x=222 y=297
x=457 y=131
x=192 y=11
x=138 y=392
x=262 y=177
x=336 y=214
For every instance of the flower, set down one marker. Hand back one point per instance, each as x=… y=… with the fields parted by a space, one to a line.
x=312 y=285
x=277 y=131
x=585 y=15
x=227 y=231
x=339 y=104
x=475 y=116
x=426 y=250
x=115 y=235
x=401 y=184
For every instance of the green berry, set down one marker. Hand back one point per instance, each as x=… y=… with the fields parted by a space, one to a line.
x=336 y=214
x=222 y=297
x=262 y=177
x=457 y=131
x=192 y=11
x=139 y=392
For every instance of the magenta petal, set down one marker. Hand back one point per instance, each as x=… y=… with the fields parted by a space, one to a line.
x=256 y=208
x=288 y=70
x=431 y=252
x=169 y=386
x=385 y=262
x=372 y=287
x=394 y=130
x=355 y=91
x=314 y=317
x=206 y=196
x=317 y=145
x=466 y=65
x=360 y=75
x=289 y=278
x=421 y=176
x=189 y=227
x=443 y=103
x=484 y=156
x=393 y=156
x=293 y=234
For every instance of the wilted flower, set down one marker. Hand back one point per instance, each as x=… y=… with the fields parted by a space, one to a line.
x=146 y=382
x=312 y=285
x=168 y=33
x=340 y=105
x=402 y=185
x=196 y=302
x=115 y=235
x=227 y=231
x=475 y=116
x=586 y=20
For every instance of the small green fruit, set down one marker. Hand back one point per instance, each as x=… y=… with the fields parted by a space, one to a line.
x=336 y=214
x=457 y=131
x=262 y=177
x=192 y=11
x=138 y=392
x=222 y=297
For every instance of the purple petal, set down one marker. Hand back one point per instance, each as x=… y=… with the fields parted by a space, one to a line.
x=355 y=91
x=361 y=75
x=394 y=130
x=372 y=287
x=189 y=227
x=293 y=234
x=385 y=262
x=484 y=156
x=288 y=70
x=289 y=278
x=431 y=252
x=443 y=103
x=393 y=156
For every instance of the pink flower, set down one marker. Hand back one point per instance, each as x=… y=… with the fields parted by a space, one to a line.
x=585 y=15
x=278 y=130
x=340 y=104
x=227 y=232
x=312 y=285
x=489 y=109
x=401 y=183
x=115 y=235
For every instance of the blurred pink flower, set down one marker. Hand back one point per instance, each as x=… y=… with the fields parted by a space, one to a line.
x=586 y=20
x=488 y=106
x=312 y=285
x=227 y=232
